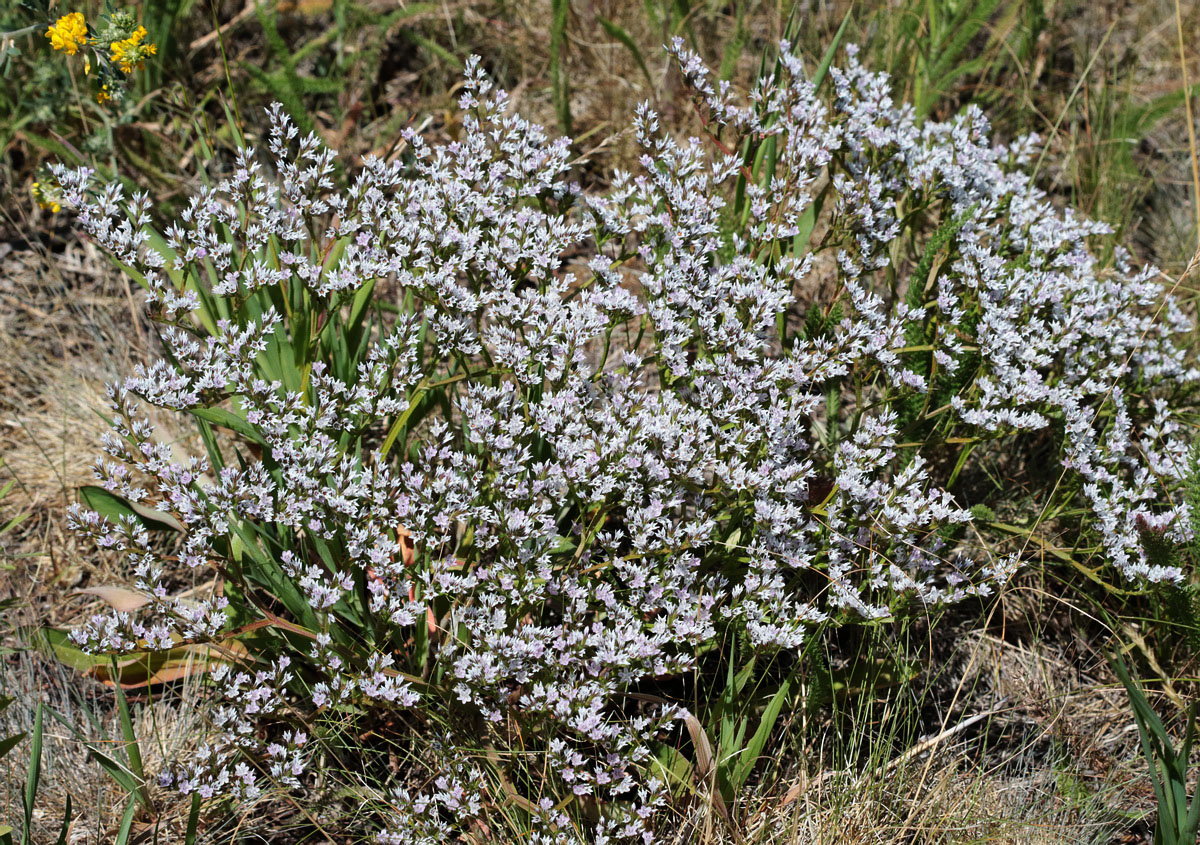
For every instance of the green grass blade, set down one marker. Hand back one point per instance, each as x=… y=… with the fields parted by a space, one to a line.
x=133 y=751
x=754 y=749
x=421 y=41
x=968 y=23
x=1150 y=730
x=559 y=10
x=65 y=828
x=625 y=38
x=735 y=45
x=126 y=822
x=831 y=51
x=230 y=420
x=193 y=821
x=32 y=776
x=159 y=18
x=1191 y=826
x=116 y=770
x=9 y=743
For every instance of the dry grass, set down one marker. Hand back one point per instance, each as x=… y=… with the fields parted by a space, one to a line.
x=167 y=730
x=69 y=326
x=68 y=332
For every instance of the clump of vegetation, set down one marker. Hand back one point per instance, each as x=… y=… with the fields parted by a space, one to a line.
x=480 y=484
x=493 y=463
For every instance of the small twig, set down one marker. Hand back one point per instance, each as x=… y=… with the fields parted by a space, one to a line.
x=916 y=751
x=205 y=40
x=934 y=741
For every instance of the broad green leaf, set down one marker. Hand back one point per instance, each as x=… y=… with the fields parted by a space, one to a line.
x=115 y=507
x=9 y=743
x=135 y=671
x=116 y=770
x=230 y=420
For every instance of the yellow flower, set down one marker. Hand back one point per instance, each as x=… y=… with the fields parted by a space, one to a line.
x=43 y=198
x=68 y=33
x=130 y=53
x=103 y=95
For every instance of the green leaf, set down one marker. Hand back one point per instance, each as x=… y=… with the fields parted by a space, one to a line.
x=32 y=776
x=193 y=821
x=9 y=743
x=66 y=823
x=114 y=507
x=831 y=51
x=126 y=822
x=159 y=18
x=66 y=652
x=432 y=46
x=561 y=87
x=55 y=147
x=117 y=770
x=133 y=751
x=754 y=749
x=673 y=768
x=1177 y=823
x=735 y=45
x=232 y=421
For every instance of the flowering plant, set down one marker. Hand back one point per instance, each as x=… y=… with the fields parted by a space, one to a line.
x=118 y=45
x=489 y=458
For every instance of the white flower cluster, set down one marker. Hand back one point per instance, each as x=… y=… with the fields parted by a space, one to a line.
x=593 y=442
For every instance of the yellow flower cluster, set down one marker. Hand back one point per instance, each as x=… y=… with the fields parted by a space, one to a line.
x=68 y=33
x=116 y=32
x=130 y=53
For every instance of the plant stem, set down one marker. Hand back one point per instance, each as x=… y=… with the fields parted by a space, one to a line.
x=17 y=33
x=1191 y=126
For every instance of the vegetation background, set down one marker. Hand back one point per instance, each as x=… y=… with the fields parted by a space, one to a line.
x=1008 y=726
